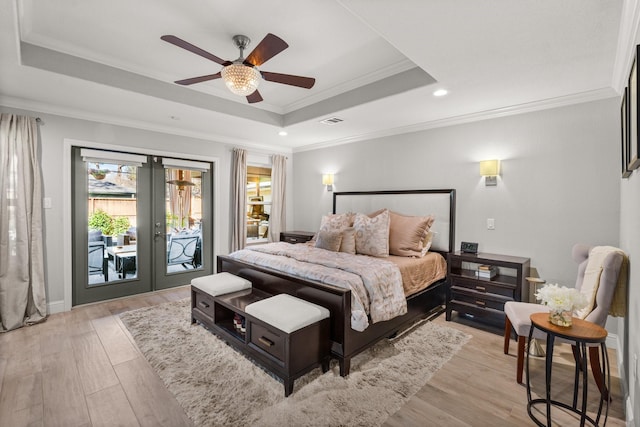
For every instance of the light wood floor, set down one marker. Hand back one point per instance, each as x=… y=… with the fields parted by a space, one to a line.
x=82 y=368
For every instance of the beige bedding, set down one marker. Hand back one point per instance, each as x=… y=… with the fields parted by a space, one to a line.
x=419 y=273
x=375 y=283
x=379 y=286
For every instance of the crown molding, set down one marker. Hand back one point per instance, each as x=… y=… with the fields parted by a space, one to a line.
x=40 y=107
x=578 y=98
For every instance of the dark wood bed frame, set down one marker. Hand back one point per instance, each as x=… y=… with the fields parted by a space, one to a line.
x=347 y=342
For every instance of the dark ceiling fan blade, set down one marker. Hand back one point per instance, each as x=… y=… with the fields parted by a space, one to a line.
x=254 y=97
x=200 y=79
x=270 y=46
x=288 y=79
x=194 y=49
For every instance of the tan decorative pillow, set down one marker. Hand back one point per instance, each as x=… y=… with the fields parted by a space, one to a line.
x=348 y=240
x=329 y=240
x=407 y=234
x=372 y=234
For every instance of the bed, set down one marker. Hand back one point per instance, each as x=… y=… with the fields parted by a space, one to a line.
x=346 y=341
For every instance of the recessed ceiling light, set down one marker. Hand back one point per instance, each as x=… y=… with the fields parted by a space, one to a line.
x=440 y=92
x=283 y=133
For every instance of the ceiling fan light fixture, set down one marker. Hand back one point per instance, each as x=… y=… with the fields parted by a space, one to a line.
x=241 y=79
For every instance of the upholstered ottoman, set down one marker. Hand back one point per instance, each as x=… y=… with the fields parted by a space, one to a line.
x=291 y=333
x=221 y=283
x=204 y=289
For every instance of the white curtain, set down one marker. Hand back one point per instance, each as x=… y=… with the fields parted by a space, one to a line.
x=238 y=199
x=22 y=284
x=277 y=219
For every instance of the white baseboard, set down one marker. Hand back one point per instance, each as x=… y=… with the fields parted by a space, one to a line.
x=624 y=381
x=55 y=307
x=612 y=341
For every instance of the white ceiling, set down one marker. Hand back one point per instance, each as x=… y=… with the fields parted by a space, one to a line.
x=376 y=63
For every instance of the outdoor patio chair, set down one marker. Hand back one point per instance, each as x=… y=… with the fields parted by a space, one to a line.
x=98 y=263
x=182 y=249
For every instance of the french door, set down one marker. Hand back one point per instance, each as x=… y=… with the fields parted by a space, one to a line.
x=140 y=223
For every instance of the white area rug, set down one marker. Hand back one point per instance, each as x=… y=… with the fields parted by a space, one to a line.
x=217 y=386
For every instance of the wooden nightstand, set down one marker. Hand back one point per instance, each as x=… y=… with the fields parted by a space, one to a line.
x=485 y=297
x=296 y=236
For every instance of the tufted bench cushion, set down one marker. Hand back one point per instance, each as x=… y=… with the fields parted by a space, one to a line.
x=221 y=283
x=287 y=312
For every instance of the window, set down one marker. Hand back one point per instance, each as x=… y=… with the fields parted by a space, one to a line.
x=258 y=203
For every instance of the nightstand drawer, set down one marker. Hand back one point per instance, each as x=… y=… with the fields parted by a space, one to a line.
x=268 y=340
x=478 y=299
x=482 y=285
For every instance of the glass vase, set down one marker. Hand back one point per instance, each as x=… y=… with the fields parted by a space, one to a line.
x=560 y=317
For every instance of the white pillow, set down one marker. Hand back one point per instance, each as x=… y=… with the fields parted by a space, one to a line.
x=336 y=222
x=372 y=234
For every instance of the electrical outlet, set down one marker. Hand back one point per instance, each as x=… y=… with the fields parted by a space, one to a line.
x=46 y=203
x=491 y=224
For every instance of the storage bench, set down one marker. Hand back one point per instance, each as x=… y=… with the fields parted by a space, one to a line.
x=285 y=335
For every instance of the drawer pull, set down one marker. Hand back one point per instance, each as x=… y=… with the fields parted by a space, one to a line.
x=204 y=304
x=265 y=341
x=293 y=239
x=481 y=288
x=482 y=303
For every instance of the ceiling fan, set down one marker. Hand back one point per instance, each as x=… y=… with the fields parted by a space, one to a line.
x=242 y=76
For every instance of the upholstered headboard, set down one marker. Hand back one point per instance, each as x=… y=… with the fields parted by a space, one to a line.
x=439 y=203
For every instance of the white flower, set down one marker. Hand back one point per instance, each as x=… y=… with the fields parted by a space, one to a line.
x=561 y=298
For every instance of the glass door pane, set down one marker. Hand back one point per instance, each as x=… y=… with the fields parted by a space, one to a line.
x=112 y=218
x=111 y=226
x=183 y=211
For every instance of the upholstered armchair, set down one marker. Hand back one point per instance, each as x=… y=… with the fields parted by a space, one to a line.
x=612 y=267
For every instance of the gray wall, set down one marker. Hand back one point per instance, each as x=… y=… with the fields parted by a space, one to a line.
x=55 y=129
x=559 y=180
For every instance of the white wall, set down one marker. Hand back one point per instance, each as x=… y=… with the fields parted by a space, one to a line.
x=55 y=129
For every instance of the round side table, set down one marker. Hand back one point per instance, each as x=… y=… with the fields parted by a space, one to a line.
x=582 y=334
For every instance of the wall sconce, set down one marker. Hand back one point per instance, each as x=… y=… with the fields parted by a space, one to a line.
x=490 y=169
x=327 y=179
